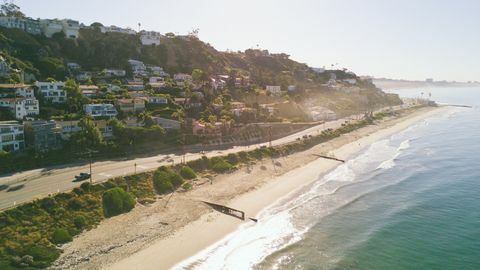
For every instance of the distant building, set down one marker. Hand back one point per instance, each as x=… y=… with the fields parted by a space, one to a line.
x=100 y=110
x=116 y=29
x=157 y=100
x=275 y=90
x=73 y=66
x=150 y=38
x=429 y=80
x=157 y=71
x=167 y=123
x=181 y=79
x=130 y=105
x=42 y=135
x=138 y=67
x=11 y=136
x=89 y=90
x=28 y=25
x=70 y=28
x=115 y=72
x=351 y=81
x=52 y=91
x=68 y=128
x=19 y=99
x=156 y=82
x=51 y=27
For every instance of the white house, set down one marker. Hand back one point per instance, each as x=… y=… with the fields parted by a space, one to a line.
x=181 y=78
x=12 y=136
x=156 y=82
x=150 y=38
x=351 y=81
x=52 y=91
x=70 y=28
x=158 y=71
x=116 y=29
x=100 y=110
x=28 y=25
x=21 y=107
x=138 y=67
x=275 y=90
x=157 y=100
x=50 y=27
x=115 y=72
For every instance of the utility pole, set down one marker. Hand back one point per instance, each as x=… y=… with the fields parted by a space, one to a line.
x=135 y=168
x=91 y=175
x=270 y=136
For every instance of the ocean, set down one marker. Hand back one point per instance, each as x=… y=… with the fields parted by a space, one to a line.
x=410 y=201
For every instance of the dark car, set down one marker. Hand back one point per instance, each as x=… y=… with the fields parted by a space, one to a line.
x=81 y=177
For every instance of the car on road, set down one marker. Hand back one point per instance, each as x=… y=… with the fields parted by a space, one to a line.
x=82 y=176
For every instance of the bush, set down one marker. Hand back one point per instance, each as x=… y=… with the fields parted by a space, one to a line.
x=232 y=158
x=117 y=201
x=80 y=222
x=222 y=166
x=61 y=236
x=187 y=173
x=162 y=186
x=187 y=186
x=165 y=180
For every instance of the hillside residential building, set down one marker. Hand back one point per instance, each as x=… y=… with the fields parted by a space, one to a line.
x=68 y=128
x=167 y=123
x=19 y=99
x=51 y=27
x=89 y=90
x=73 y=66
x=150 y=38
x=115 y=72
x=11 y=136
x=130 y=105
x=116 y=29
x=42 y=135
x=182 y=78
x=100 y=110
x=52 y=91
x=70 y=28
x=157 y=100
x=275 y=90
x=156 y=82
x=351 y=81
x=157 y=71
x=28 y=25
x=138 y=67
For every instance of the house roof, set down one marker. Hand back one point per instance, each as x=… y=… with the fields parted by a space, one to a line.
x=88 y=87
x=9 y=85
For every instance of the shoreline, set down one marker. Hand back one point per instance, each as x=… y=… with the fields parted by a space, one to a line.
x=160 y=237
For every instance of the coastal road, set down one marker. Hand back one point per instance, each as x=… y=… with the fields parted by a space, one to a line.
x=39 y=183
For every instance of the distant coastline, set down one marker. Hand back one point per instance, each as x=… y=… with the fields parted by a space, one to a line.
x=400 y=84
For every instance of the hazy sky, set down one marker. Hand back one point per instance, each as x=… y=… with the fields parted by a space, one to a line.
x=411 y=39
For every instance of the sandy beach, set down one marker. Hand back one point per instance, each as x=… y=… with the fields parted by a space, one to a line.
x=178 y=226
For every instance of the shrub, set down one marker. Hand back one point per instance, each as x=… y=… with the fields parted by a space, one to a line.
x=222 y=166
x=162 y=185
x=117 y=201
x=45 y=254
x=176 y=179
x=86 y=186
x=187 y=173
x=80 y=222
x=165 y=176
x=187 y=186
x=232 y=158
x=61 y=236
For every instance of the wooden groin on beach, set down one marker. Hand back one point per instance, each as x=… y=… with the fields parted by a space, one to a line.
x=327 y=157
x=226 y=210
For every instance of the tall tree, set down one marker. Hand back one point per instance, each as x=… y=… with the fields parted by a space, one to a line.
x=9 y=9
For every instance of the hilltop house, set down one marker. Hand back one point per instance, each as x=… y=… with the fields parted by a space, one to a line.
x=100 y=110
x=168 y=124
x=150 y=38
x=116 y=29
x=52 y=91
x=68 y=128
x=11 y=136
x=28 y=25
x=157 y=100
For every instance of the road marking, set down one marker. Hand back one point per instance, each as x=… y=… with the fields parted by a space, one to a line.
x=105 y=174
x=142 y=167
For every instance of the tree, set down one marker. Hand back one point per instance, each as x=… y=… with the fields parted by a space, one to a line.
x=89 y=137
x=75 y=98
x=9 y=9
x=198 y=75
